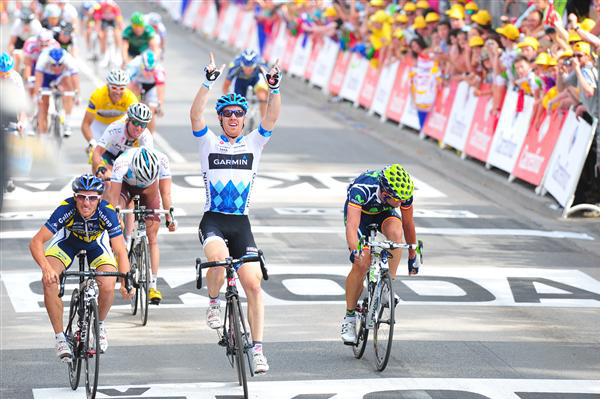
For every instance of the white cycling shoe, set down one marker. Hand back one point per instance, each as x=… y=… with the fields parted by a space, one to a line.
x=349 y=330
x=63 y=351
x=103 y=336
x=260 y=363
x=213 y=317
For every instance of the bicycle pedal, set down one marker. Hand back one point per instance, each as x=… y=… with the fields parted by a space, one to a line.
x=222 y=342
x=155 y=301
x=350 y=343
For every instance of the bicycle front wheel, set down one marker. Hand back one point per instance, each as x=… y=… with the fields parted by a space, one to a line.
x=362 y=332
x=239 y=347
x=92 y=350
x=143 y=262
x=383 y=333
x=72 y=334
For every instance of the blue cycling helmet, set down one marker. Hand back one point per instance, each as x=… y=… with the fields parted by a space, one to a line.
x=149 y=60
x=249 y=57
x=57 y=55
x=231 y=99
x=6 y=62
x=88 y=182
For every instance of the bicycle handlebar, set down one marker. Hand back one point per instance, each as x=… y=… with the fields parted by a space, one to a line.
x=94 y=274
x=395 y=245
x=230 y=263
x=146 y=211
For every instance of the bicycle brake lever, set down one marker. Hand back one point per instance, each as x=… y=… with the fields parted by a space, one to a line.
x=198 y=274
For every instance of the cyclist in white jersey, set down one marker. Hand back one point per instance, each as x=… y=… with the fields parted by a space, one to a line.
x=144 y=172
x=121 y=135
x=229 y=163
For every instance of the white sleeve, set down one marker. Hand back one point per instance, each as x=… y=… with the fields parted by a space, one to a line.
x=40 y=65
x=36 y=27
x=120 y=168
x=164 y=169
x=16 y=28
x=146 y=140
x=107 y=138
x=71 y=65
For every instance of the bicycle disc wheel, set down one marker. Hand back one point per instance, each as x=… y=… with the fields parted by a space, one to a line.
x=92 y=350
x=144 y=268
x=73 y=338
x=383 y=333
x=239 y=347
x=135 y=272
x=362 y=332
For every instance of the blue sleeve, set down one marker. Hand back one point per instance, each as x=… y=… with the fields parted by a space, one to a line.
x=263 y=132
x=111 y=221
x=200 y=133
x=233 y=70
x=357 y=196
x=58 y=220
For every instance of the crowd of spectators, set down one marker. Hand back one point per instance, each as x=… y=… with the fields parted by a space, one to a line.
x=549 y=51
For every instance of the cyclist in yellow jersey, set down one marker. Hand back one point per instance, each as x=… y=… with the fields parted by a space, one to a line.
x=107 y=104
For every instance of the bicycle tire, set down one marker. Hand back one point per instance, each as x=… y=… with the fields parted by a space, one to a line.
x=362 y=332
x=245 y=340
x=145 y=276
x=384 y=337
x=136 y=275
x=239 y=347
x=74 y=367
x=92 y=353
x=56 y=130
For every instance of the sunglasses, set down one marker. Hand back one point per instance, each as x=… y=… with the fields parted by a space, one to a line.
x=91 y=198
x=138 y=123
x=385 y=194
x=238 y=113
x=116 y=88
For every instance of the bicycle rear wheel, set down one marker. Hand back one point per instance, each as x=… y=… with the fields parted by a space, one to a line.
x=73 y=338
x=144 y=267
x=362 y=332
x=239 y=347
x=135 y=272
x=92 y=350
x=383 y=333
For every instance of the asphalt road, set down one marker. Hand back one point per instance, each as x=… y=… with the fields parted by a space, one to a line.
x=506 y=305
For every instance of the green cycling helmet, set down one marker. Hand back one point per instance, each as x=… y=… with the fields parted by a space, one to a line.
x=395 y=180
x=137 y=19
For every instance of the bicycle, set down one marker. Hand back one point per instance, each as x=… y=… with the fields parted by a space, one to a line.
x=83 y=331
x=139 y=256
x=377 y=309
x=55 y=111
x=233 y=335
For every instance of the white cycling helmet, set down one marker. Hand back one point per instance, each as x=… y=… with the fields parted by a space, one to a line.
x=52 y=10
x=145 y=165
x=140 y=112
x=153 y=18
x=117 y=77
x=45 y=37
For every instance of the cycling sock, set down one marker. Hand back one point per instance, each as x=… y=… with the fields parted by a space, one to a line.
x=153 y=281
x=350 y=313
x=60 y=336
x=100 y=323
x=214 y=301
x=257 y=346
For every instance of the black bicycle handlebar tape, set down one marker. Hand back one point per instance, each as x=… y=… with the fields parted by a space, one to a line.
x=61 y=292
x=263 y=268
x=128 y=284
x=198 y=274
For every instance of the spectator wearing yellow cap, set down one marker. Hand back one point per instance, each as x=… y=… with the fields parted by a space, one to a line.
x=471 y=9
x=410 y=9
x=474 y=54
x=420 y=28
x=483 y=19
x=456 y=14
x=431 y=19
x=422 y=7
x=529 y=47
x=509 y=35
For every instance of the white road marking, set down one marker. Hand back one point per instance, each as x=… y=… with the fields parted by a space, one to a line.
x=44 y=215
x=419 y=213
x=341 y=389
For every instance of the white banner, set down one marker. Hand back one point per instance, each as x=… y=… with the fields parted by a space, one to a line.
x=461 y=116
x=191 y=12
x=410 y=117
x=210 y=20
x=511 y=132
x=279 y=45
x=246 y=29
x=568 y=158
x=355 y=76
x=173 y=7
x=301 y=55
x=384 y=88
x=228 y=23
x=325 y=63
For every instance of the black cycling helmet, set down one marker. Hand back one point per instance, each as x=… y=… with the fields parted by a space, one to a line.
x=88 y=182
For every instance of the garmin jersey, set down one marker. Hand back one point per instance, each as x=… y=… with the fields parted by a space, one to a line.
x=229 y=169
x=116 y=141
x=87 y=230
x=363 y=193
x=123 y=169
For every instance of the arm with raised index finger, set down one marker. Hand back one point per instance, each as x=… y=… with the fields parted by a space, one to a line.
x=273 y=79
x=199 y=104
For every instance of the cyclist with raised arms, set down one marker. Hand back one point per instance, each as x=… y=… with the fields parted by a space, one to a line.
x=82 y=222
x=137 y=38
x=144 y=172
x=107 y=104
x=373 y=198
x=245 y=72
x=229 y=165
x=120 y=136
x=148 y=77
x=56 y=67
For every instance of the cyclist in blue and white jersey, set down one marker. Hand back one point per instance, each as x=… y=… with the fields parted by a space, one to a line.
x=245 y=72
x=229 y=164
x=82 y=222
x=373 y=197
x=144 y=172
x=55 y=67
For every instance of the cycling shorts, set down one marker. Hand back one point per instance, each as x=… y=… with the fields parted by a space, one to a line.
x=149 y=197
x=65 y=247
x=108 y=22
x=19 y=43
x=150 y=93
x=233 y=228
x=133 y=51
x=49 y=78
x=378 y=218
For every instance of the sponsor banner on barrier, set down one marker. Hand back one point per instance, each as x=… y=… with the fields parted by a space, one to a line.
x=325 y=63
x=301 y=55
x=174 y=8
x=210 y=19
x=288 y=52
x=236 y=29
x=569 y=155
x=279 y=45
x=438 y=117
x=510 y=132
x=339 y=72
x=246 y=27
x=384 y=88
x=271 y=39
x=367 y=92
x=201 y=14
x=227 y=26
x=410 y=117
x=400 y=94
x=461 y=116
x=191 y=13
x=479 y=140
x=252 y=39
x=354 y=78
x=220 y=21
x=537 y=148
x=317 y=46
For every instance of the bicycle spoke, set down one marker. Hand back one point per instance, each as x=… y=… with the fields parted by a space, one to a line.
x=92 y=350
x=383 y=332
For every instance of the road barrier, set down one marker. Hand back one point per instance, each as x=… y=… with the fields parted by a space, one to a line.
x=546 y=150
